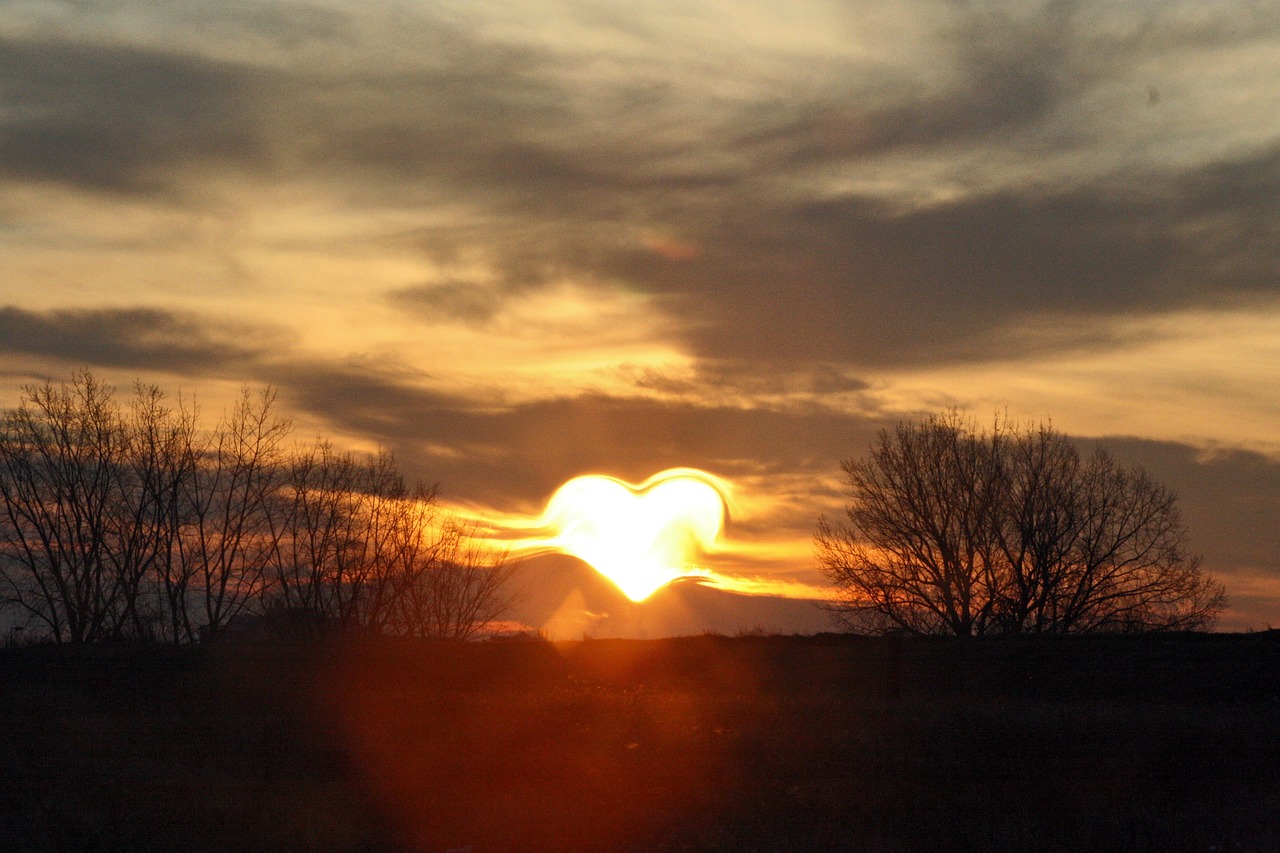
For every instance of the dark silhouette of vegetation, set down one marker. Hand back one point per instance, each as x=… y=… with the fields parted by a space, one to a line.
x=131 y=522
x=953 y=529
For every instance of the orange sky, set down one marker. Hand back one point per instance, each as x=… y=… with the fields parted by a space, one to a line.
x=517 y=242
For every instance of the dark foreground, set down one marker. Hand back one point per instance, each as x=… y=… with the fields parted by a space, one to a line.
x=708 y=743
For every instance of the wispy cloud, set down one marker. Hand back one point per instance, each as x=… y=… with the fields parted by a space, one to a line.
x=147 y=339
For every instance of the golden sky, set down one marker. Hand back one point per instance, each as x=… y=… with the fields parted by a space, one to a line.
x=521 y=241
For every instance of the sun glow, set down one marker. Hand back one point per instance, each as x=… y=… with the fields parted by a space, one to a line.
x=640 y=537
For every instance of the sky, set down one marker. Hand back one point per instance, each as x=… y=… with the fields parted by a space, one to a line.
x=516 y=242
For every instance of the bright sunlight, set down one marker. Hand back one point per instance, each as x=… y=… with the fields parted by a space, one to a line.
x=639 y=537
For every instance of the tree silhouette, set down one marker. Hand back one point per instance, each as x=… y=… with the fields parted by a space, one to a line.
x=958 y=530
x=454 y=587
x=80 y=496
x=228 y=516
x=132 y=522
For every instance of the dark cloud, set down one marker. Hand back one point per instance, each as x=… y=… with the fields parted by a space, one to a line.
x=494 y=453
x=988 y=276
x=849 y=279
x=1230 y=214
x=137 y=338
x=122 y=118
x=778 y=278
x=743 y=379
x=522 y=452
x=468 y=114
x=1230 y=498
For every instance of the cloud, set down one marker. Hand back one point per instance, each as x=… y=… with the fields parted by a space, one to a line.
x=566 y=166
x=743 y=381
x=995 y=73
x=976 y=279
x=136 y=338
x=457 y=301
x=1230 y=498
x=122 y=118
x=1013 y=260
x=492 y=452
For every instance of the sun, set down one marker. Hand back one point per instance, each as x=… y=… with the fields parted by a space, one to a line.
x=640 y=537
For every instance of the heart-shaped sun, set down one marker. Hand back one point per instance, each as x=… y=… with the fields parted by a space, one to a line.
x=640 y=537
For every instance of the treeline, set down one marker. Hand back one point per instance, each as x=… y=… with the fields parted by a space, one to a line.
x=132 y=521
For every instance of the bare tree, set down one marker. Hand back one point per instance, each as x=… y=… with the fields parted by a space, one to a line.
x=353 y=533
x=954 y=529
x=397 y=522
x=323 y=537
x=131 y=522
x=921 y=555
x=1131 y=569
x=1039 y=527
x=455 y=585
x=230 y=516
x=154 y=470
x=89 y=492
x=59 y=476
x=363 y=552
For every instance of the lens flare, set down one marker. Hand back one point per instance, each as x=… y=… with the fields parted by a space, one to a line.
x=639 y=537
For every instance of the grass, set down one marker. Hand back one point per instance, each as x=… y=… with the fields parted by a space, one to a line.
x=705 y=743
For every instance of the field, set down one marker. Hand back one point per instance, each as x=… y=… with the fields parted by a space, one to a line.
x=702 y=743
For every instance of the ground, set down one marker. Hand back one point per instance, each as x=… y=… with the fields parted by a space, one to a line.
x=701 y=743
